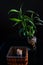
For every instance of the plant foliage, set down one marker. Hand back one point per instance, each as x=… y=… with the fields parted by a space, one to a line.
x=28 y=24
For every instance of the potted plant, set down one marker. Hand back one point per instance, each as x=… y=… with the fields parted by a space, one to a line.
x=28 y=28
x=28 y=24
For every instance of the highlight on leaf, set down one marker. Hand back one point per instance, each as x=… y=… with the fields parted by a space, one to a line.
x=15 y=20
x=15 y=24
x=21 y=9
x=13 y=10
x=30 y=11
x=38 y=23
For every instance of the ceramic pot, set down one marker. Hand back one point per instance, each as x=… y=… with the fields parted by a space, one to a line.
x=32 y=41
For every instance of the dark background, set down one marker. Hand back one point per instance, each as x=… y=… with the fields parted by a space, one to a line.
x=8 y=34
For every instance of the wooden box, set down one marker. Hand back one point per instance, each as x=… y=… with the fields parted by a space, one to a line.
x=13 y=59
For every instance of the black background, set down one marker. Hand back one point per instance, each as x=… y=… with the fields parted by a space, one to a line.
x=7 y=32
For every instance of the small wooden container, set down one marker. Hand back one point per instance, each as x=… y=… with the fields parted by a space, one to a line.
x=13 y=59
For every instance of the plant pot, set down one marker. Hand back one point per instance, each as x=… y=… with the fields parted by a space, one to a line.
x=32 y=41
x=14 y=59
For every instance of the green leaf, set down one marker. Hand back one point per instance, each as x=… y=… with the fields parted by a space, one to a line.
x=15 y=24
x=20 y=13
x=28 y=19
x=32 y=24
x=37 y=14
x=33 y=32
x=15 y=19
x=25 y=16
x=13 y=10
x=32 y=16
x=30 y=11
x=21 y=30
x=39 y=20
x=21 y=8
x=38 y=23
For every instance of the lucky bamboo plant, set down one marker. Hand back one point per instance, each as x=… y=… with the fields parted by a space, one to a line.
x=28 y=22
